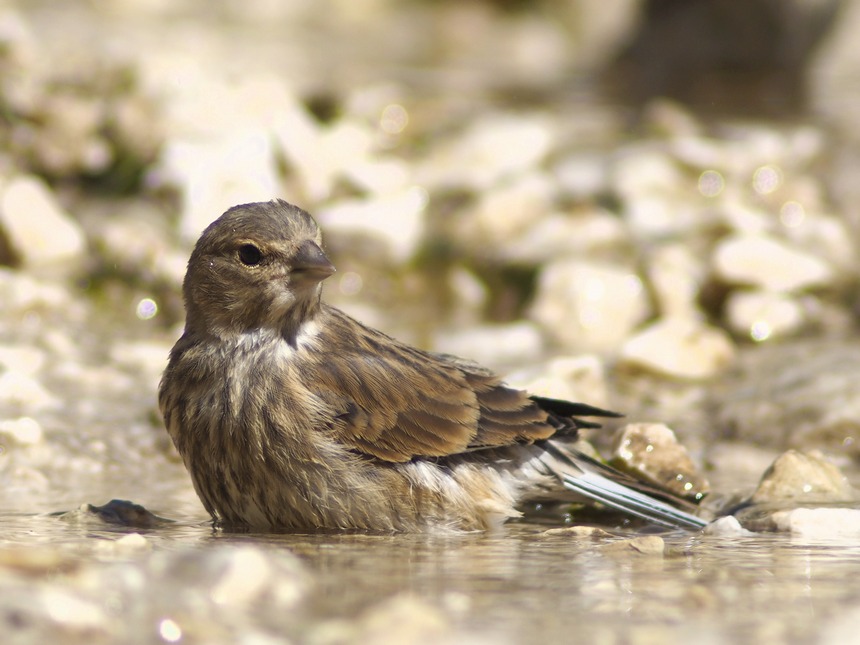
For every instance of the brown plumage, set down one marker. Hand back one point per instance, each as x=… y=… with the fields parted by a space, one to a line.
x=289 y=414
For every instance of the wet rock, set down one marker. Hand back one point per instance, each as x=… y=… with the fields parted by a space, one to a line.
x=681 y=348
x=728 y=526
x=650 y=545
x=818 y=523
x=588 y=306
x=769 y=263
x=651 y=452
x=802 y=478
x=117 y=511
x=591 y=532
x=36 y=230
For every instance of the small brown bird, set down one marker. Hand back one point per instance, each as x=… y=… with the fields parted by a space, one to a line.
x=289 y=414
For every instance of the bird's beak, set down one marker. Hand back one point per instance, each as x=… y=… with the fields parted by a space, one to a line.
x=310 y=264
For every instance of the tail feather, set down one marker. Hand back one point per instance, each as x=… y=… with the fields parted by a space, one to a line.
x=600 y=483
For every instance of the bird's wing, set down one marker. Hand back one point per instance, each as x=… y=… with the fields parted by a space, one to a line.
x=395 y=402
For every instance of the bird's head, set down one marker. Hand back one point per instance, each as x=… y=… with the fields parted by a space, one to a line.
x=257 y=266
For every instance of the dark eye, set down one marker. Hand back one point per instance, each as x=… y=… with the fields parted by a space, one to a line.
x=250 y=255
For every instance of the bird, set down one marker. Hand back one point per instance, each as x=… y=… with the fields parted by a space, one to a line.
x=290 y=415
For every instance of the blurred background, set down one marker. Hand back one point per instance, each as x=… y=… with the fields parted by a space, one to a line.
x=612 y=200
x=648 y=205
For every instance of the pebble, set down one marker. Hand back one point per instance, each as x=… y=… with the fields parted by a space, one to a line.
x=764 y=315
x=586 y=231
x=644 y=545
x=651 y=452
x=676 y=275
x=586 y=306
x=396 y=219
x=505 y=212
x=769 y=263
x=726 y=527
x=38 y=231
x=496 y=147
x=579 y=377
x=493 y=345
x=681 y=348
x=216 y=173
x=24 y=430
x=802 y=478
x=819 y=523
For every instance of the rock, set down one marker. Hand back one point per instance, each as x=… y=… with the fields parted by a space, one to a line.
x=219 y=172
x=764 y=315
x=769 y=263
x=505 y=212
x=818 y=523
x=587 y=231
x=588 y=306
x=650 y=451
x=802 y=478
x=570 y=378
x=496 y=147
x=644 y=545
x=492 y=345
x=726 y=527
x=37 y=230
x=676 y=275
x=591 y=532
x=682 y=348
x=24 y=431
x=397 y=219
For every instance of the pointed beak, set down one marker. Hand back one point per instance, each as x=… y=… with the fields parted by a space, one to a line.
x=310 y=264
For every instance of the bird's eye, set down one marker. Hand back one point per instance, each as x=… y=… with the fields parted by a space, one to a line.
x=250 y=255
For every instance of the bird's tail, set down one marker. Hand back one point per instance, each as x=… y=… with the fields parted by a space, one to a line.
x=600 y=483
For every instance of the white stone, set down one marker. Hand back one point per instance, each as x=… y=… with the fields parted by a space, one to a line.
x=588 y=306
x=504 y=213
x=727 y=526
x=217 y=173
x=493 y=345
x=769 y=263
x=496 y=147
x=582 y=175
x=763 y=315
x=23 y=430
x=681 y=348
x=397 y=219
x=27 y=360
x=38 y=230
x=559 y=235
x=819 y=523
x=676 y=276
x=22 y=391
x=570 y=378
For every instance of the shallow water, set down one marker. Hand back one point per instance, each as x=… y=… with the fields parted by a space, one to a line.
x=519 y=586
